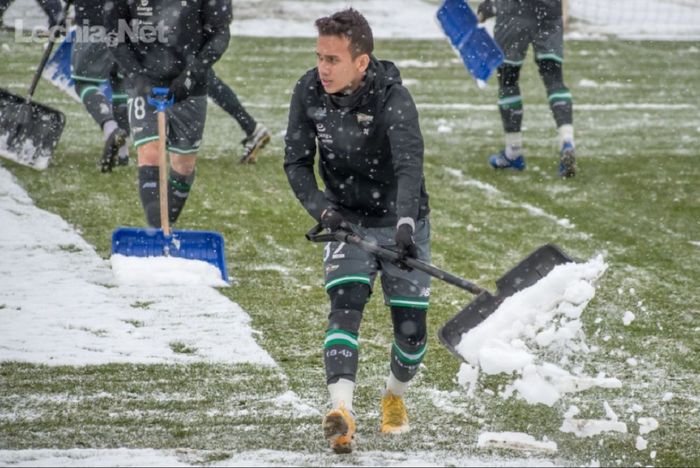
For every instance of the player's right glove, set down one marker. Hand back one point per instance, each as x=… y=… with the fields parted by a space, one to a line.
x=333 y=220
x=404 y=241
x=141 y=84
x=485 y=10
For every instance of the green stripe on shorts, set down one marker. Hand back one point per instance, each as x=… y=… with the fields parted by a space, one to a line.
x=176 y=150
x=554 y=57
x=348 y=279
x=143 y=141
x=119 y=98
x=87 y=78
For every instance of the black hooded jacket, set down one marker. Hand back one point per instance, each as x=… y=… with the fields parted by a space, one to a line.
x=89 y=12
x=370 y=147
x=196 y=35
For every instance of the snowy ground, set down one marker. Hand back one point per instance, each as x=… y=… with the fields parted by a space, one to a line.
x=52 y=285
x=62 y=304
x=637 y=19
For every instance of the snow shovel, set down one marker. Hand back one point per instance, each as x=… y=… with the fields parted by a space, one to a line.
x=29 y=132
x=479 y=52
x=536 y=266
x=58 y=68
x=151 y=242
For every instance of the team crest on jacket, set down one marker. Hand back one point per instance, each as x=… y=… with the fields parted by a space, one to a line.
x=364 y=119
x=319 y=113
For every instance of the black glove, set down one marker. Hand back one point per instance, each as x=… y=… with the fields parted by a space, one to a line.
x=333 y=220
x=485 y=10
x=404 y=241
x=182 y=86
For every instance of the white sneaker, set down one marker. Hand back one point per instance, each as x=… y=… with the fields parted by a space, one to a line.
x=253 y=143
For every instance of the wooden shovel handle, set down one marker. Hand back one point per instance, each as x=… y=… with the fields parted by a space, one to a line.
x=163 y=171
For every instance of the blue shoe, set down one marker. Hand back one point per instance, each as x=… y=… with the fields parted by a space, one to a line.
x=567 y=161
x=500 y=161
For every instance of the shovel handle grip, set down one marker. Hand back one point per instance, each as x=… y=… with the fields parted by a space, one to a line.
x=316 y=235
x=159 y=99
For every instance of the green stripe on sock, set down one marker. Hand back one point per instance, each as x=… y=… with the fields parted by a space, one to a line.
x=338 y=337
x=348 y=279
x=514 y=62
x=181 y=186
x=410 y=359
x=342 y=332
x=93 y=89
x=565 y=96
x=512 y=102
x=331 y=343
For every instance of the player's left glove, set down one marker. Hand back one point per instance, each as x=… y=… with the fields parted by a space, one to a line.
x=404 y=240
x=485 y=10
x=181 y=87
x=333 y=220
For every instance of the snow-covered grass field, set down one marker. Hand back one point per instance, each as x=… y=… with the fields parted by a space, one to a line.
x=97 y=372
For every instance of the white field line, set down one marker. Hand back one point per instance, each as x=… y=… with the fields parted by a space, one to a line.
x=489 y=107
x=586 y=107
x=498 y=196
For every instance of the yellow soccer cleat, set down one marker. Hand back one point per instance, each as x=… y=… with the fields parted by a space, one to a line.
x=339 y=429
x=394 y=415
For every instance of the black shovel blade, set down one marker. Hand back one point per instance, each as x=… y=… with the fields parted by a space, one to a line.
x=528 y=272
x=29 y=132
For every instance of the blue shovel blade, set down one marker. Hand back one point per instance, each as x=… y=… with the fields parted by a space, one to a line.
x=458 y=21
x=481 y=54
x=58 y=68
x=477 y=49
x=193 y=245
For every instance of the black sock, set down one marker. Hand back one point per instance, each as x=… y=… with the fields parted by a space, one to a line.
x=150 y=198
x=179 y=186
x=225 y=98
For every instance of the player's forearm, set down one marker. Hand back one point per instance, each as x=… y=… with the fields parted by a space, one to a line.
x=216 y=21
x=407 y=154
x=303 y=182
x=214 y=48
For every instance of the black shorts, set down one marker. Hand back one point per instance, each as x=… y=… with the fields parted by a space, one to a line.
x=344 y=263
x=184 y=127
x=536 y=22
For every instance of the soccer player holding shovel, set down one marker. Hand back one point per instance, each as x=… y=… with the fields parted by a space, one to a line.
x=175 y=47
x=354 y=109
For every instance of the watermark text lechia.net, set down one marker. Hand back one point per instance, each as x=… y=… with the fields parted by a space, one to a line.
x=134 y=31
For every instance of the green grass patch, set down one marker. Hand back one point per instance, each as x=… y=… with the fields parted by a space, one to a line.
x=182 y=348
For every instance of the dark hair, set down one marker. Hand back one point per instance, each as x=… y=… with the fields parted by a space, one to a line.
x=351 y=24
